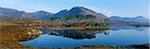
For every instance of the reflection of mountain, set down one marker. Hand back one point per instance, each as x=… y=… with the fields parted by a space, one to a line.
x=74 y=34
x=137 y=21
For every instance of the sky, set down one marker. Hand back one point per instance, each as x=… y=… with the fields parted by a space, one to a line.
x=123 y=8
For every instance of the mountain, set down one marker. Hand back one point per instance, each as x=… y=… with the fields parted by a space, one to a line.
x=61 y=13
x=139 y=20
x=41 y=15
x=74 y=14
x=10 y=12
x=136 y=19
x=16 y=13
x=80 y=13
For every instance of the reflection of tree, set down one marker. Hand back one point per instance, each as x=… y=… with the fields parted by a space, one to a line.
x=76 y=34
x=106 y=33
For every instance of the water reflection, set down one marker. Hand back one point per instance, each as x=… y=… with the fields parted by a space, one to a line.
x=72 y=38
x=87 y=34
x=106 y=33
x=128 y=28
x=74 y=34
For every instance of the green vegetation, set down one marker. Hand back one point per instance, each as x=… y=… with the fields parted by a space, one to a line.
x=80 y=22
x=74 y=18
x=77 y=17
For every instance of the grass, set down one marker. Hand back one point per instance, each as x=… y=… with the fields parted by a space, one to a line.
x=10 y=35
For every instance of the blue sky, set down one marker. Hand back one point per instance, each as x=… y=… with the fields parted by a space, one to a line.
x=124 y=8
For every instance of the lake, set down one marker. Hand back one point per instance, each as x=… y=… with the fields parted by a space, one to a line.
x=120 y=36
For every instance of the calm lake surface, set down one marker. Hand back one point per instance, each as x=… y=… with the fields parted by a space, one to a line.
x=122 y=36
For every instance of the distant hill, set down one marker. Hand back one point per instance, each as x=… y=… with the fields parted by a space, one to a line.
x=41 y=15
x=10 y=12
x=119 y=21
x=136 y=19
x=16 y=13
x=80 y=14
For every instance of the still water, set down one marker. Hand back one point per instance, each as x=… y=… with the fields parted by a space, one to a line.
x=122 y=36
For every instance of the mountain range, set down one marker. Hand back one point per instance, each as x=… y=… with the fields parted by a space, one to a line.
x=16 y=13
x=74 y=14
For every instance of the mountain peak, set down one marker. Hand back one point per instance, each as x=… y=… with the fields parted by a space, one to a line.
x=80 y=10
x=78 y=7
